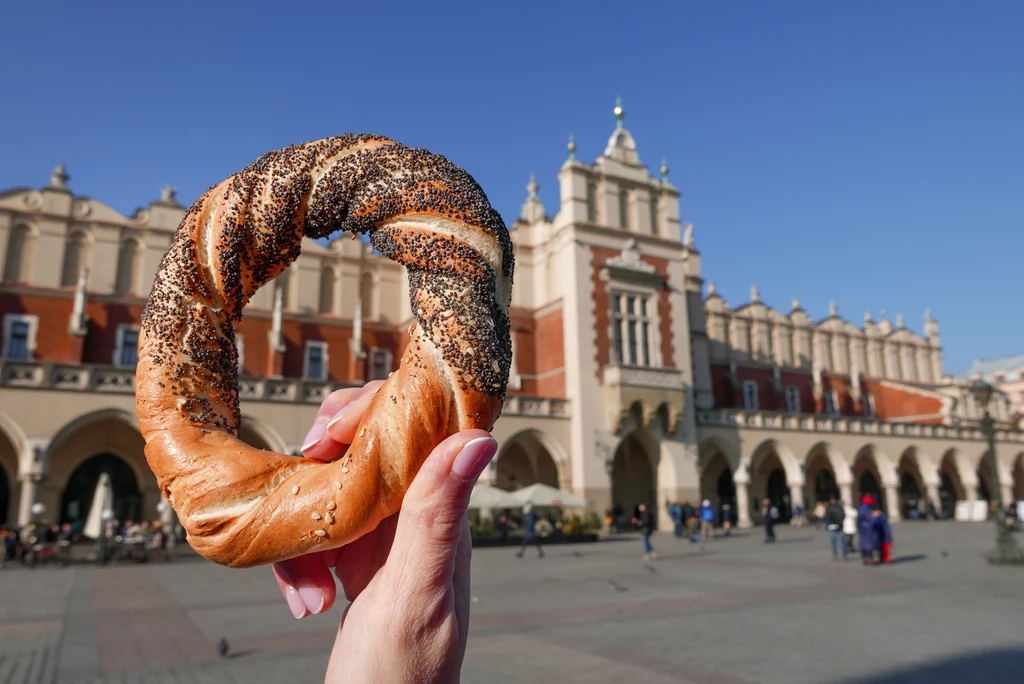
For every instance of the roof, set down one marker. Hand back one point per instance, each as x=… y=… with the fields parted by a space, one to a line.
x=1011 y=366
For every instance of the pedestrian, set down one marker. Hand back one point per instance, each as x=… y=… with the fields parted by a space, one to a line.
x=691 y=520
x=675 y=511
x=707 y=521
x=849 y=526
x=798 y=516
x=835 y=517
x=645 y=523
x=884 y=531
x=867 y=534
x=819 y=514
x=530 y=532
x=727 y=519
x=770 y=513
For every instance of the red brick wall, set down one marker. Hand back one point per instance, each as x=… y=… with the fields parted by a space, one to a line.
x=550 y=355
x=894 y=402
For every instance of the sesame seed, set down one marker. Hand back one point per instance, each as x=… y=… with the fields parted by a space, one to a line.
x=344 y=470
x=316 y=516
x=321 y=533
x=337 y=485
x=295 y=489
x=331 y=505
x=330 y=518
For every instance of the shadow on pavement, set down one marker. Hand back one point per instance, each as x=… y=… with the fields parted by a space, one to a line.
x=909 y=559
x=996 y=665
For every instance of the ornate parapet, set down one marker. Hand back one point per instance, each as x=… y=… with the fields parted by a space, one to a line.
x=518 y=405
x=773 y=420
x=643 y=395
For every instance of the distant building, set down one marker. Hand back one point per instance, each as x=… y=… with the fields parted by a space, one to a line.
x=632 y=380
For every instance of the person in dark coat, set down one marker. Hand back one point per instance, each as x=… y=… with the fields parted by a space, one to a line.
x=867 y=534
x=770 y=512
x=530 y=532
x=645 y=523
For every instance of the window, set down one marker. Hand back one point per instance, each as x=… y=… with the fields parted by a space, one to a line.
x=316 y=361
x=75 y=258
x=19 y=336
x=327 y=290
x=624 y=209
x=128 y=262
x=793 y=400
x=631 y=329
x=380 y=364
x=869 y=406
x=831 y=404
x=591 y=202
x=654 y=214
x=126 y=353
x=750 y=395
x=240 y=345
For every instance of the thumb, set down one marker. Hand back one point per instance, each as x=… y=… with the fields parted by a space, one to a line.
x=434 y=510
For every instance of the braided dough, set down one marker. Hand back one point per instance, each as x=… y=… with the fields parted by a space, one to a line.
x=243 y=506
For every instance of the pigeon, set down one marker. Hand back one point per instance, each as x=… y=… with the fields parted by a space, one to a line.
x=222 y=647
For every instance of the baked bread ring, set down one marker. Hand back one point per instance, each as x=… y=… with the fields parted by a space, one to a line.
x=243 y=506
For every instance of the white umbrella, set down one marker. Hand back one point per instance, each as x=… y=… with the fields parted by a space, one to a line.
x=102 y=500
x=542 y=495
x=487 y=497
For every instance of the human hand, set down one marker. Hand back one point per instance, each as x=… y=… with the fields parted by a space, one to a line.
x=408 y=580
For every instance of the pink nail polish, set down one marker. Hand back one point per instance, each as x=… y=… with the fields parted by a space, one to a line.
x=339 y=415
x=316 y=434
x=474 y=457
x=312 y=599
x=295 y=603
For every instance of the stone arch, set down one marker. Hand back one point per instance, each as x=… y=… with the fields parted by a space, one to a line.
x=21 y=253
x=951 y=485
x=108 y=431
x=821 y=479
x=10 y=450
x=529 y=457
x=129 y=266
x=77 y=495
x=872 y=473
x=259 y=435
x=77 y=253
x=635 y=473
x=1018 y=477
x=716 y=481
x=715 y=445
x=773 y=470
x=912 y=485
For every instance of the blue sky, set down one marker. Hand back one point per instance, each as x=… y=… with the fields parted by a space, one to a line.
x=868 y=152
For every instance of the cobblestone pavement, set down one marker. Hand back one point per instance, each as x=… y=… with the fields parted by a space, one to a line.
x=736 y=611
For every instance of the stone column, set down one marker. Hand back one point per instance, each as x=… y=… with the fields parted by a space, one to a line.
x=29 y=496
x=796 y=497
x=971 y=492
x=892 y=503
x=168 y=520
x=846 y=492
x=1008 y=497
x=933 y=494
x=743 y=505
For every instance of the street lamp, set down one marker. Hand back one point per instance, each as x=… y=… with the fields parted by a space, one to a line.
x=1006 y=552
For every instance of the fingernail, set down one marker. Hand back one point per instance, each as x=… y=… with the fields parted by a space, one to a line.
x=474 y=457
x=316 y=433
x=312 y=598
x=295 y=603
x=340 y=414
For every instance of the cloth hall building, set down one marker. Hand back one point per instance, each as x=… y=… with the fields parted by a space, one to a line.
x=632 y=381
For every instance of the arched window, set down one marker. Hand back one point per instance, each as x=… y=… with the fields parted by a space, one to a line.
x=366 y=296
x=327 y=290
x=21 y=245
x=128 y=262
x=76 y=257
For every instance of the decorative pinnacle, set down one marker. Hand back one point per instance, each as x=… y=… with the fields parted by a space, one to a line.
x=796 y=304
x=168 y=194
x=572 y=148
x=532 y=186
x=755 y=294
x=867 y=316
x=928 y=314
x=899 y=320
x=664 y=170
x=833 y=310
x=620 y=113
x=711 y=288
x=59 y=178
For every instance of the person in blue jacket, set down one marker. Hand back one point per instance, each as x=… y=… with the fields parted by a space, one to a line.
x=884 y=536
x=867 y=533
x=707 y=520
